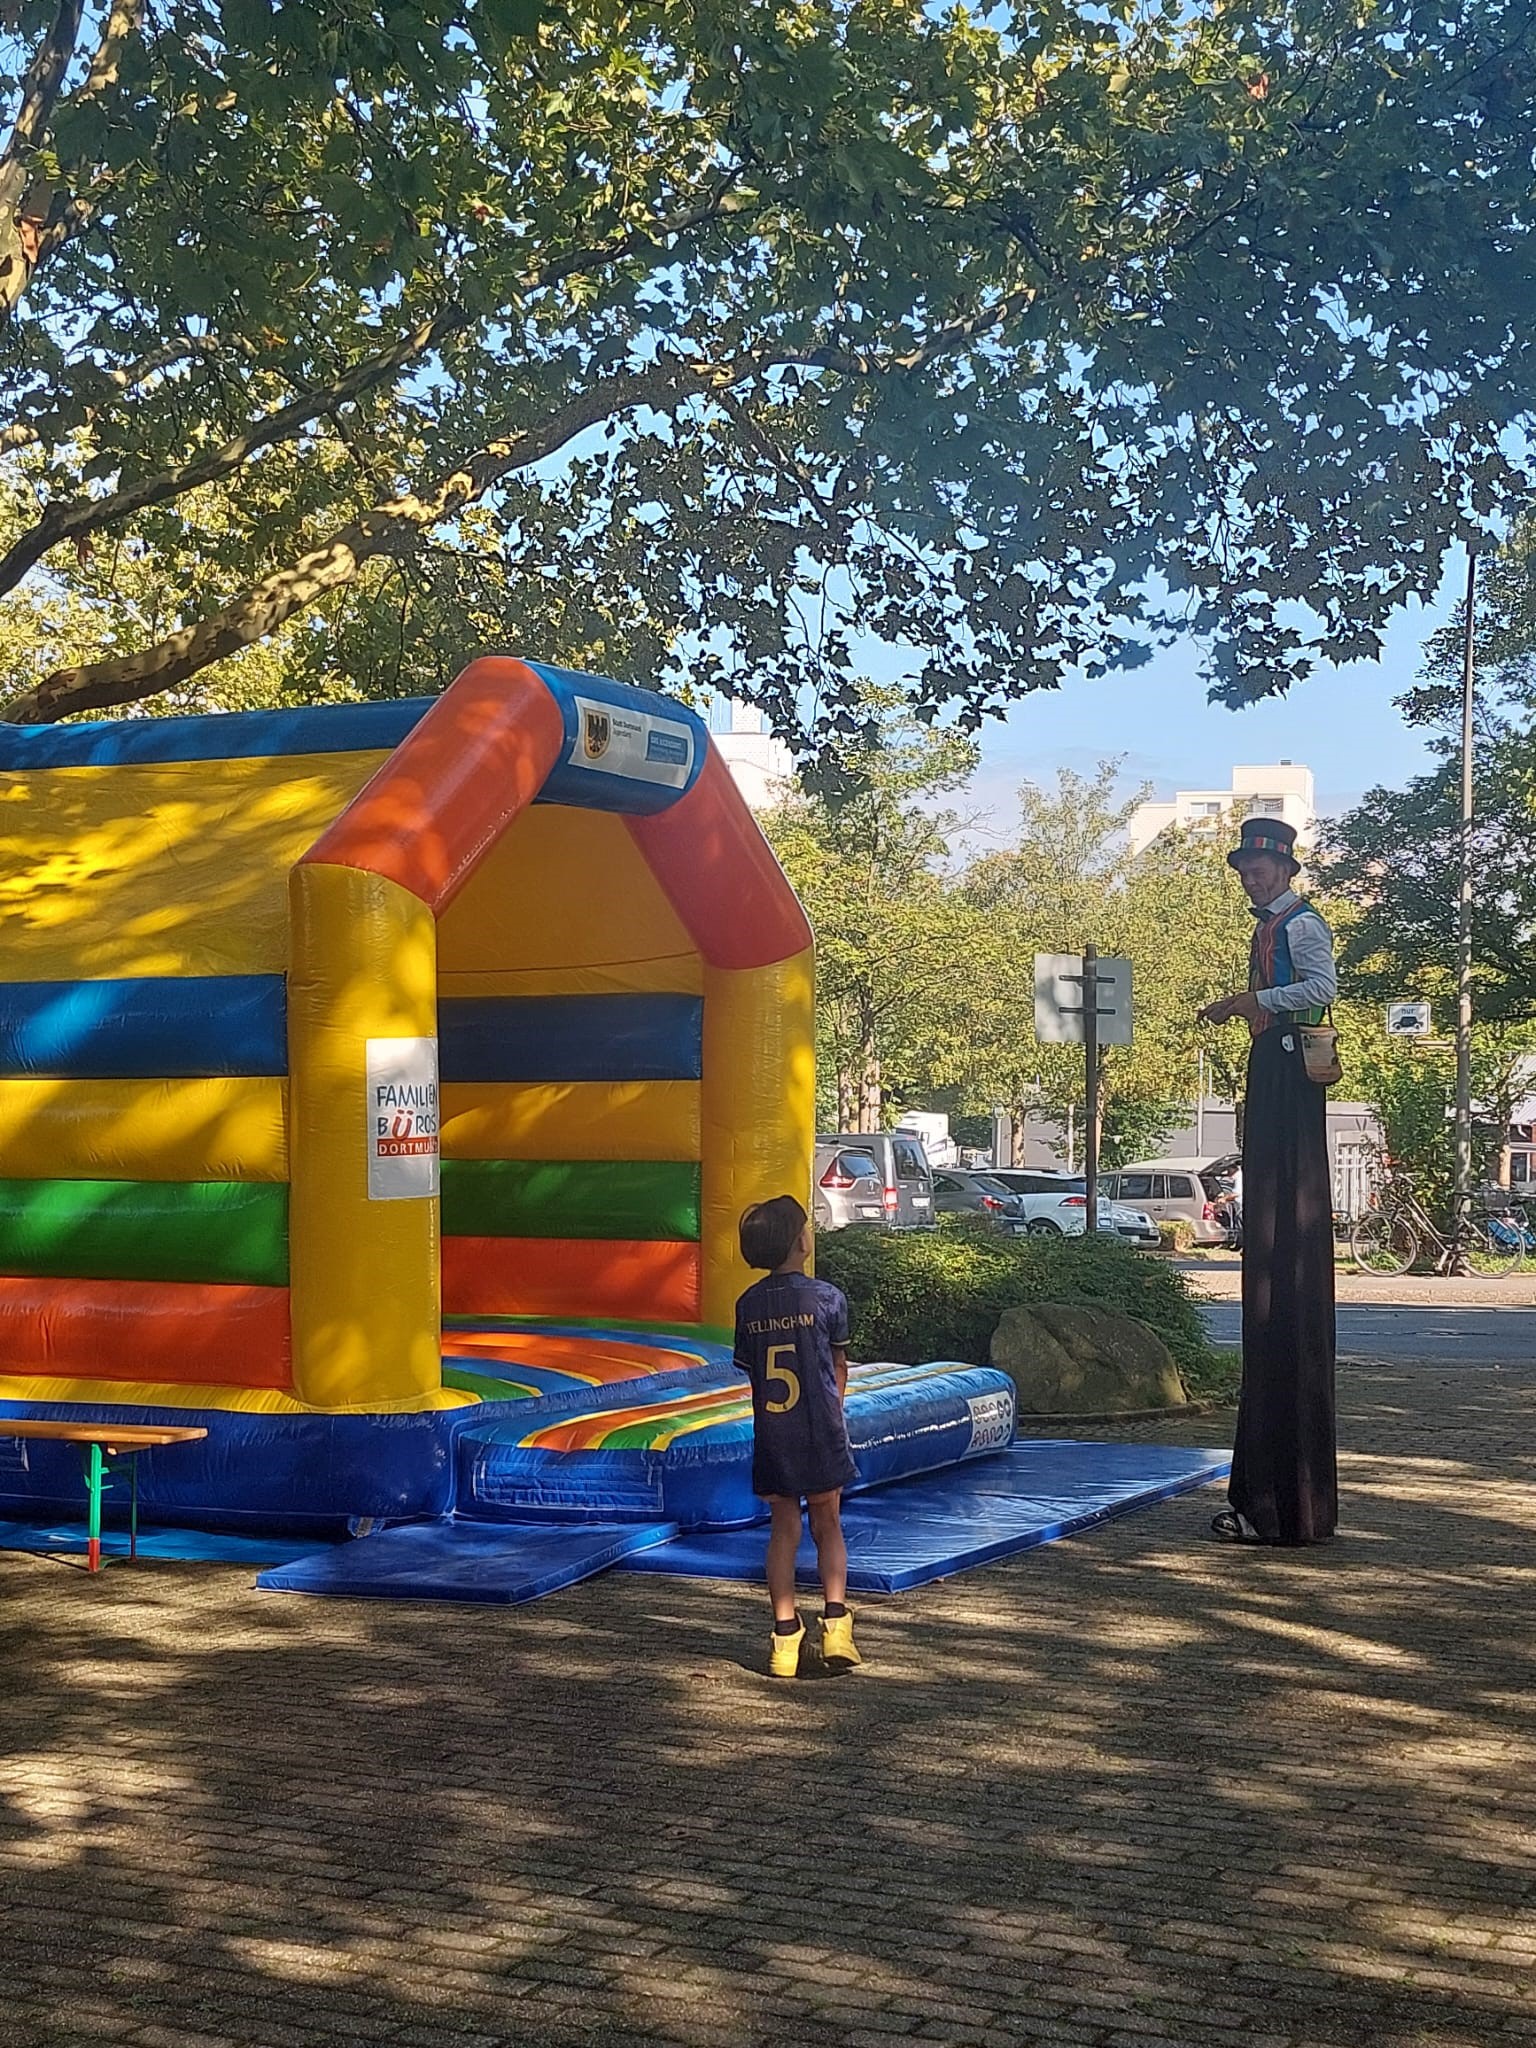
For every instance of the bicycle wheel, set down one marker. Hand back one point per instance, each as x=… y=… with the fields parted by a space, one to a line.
x=1495 y=1246
x=1384 y=1244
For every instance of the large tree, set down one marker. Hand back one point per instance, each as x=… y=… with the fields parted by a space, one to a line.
x=700 y=336
x=1396 y=857
x=868 y=849
x=1174 y=911
x=1394 y=864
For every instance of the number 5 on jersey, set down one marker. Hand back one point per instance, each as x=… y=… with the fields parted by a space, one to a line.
x=787 y=1377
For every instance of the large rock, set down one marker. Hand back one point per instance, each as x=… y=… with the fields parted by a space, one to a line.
x=1071 y=1360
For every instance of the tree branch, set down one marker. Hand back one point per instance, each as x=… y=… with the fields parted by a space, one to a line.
x=122 y=24
x=852 y=363
x=73 y=519
x=37 y=219
x=44 y=80
x=22 y=434
x=395 y=528
x=398 y=526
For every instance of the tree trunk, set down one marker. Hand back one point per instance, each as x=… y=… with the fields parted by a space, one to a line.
x=870 y=1091
x=871 y=1097
x=845 y=1099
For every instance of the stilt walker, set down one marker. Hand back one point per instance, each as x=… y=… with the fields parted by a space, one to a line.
x=1284 y=1488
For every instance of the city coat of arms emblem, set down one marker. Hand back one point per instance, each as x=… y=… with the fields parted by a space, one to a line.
x=597 y=730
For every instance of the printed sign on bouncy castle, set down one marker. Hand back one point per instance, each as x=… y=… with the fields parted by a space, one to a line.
x=402 y=1118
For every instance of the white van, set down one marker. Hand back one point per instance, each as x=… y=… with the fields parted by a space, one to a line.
x=1176 y=1191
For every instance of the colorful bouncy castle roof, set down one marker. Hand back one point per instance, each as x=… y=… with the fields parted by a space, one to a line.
x=317 y=1023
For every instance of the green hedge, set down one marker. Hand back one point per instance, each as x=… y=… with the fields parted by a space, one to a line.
x=916 y=1295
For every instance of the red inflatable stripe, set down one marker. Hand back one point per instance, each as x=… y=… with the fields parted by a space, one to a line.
x=452 y=787
x=642 y=1280
x=181 y=1332
x=720 y=874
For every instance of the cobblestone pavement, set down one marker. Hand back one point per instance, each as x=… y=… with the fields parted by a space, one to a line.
x=1130 y=1791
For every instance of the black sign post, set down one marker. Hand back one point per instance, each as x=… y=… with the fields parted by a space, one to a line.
x=1088 y=981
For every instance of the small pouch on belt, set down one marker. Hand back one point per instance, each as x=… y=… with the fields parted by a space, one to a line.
x=1320 y=1051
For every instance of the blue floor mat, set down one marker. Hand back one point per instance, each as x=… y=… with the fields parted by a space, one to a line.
x=182 y=1546
x=508 y=1561
x=921 y=1529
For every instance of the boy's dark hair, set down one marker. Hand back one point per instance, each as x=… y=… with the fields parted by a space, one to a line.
x=770 y=1232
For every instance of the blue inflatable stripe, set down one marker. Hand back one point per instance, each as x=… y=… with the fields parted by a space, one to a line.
x=253 y=1471
x=217 y=736
x=180 y=1027
x=649 y=776
x=653 y=748
x=571 y=1038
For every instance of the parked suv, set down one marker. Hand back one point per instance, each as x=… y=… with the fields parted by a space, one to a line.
x=1177 y=1191
x=871 y=1177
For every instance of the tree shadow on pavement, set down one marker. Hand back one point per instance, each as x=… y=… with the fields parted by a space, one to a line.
x=1134 y=1788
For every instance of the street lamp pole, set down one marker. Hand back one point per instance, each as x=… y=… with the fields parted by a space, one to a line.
x=1464 y=921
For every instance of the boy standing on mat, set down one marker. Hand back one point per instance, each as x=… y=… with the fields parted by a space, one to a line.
x=791 y=1342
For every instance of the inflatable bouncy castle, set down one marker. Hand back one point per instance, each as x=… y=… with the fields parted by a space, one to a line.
x=381 y=1085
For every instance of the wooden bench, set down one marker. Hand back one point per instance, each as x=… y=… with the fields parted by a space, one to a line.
x=100 y=1441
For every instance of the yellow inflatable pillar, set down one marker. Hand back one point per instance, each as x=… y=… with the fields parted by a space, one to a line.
x=759 y=1110
x=363 y=1206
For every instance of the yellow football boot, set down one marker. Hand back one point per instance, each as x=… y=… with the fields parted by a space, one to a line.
x=784 y=1654
x=837 y=1644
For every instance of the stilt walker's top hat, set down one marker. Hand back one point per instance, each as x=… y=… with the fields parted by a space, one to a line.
x=1265 y=835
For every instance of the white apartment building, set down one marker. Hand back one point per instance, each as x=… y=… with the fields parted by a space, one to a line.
x=1282 y=789
x=761 y=766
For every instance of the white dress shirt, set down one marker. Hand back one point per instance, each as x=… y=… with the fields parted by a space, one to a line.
x=1311 y=958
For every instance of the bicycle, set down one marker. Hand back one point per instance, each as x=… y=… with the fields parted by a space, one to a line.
x=1391 y=1235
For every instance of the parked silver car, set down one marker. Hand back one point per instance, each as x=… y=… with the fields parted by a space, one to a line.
x=958 y=1191
x=871 y=1177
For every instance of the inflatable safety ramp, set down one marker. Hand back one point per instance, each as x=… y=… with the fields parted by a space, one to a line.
x=506 y=1564
x=899 y=1536
x=686 y=1455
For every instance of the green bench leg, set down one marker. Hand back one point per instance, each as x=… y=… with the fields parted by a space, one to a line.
x=93 y=1476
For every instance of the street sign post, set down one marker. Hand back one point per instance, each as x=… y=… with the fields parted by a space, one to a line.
x=1059 y=1011
x=1083 y=1000
x=1002 y=1137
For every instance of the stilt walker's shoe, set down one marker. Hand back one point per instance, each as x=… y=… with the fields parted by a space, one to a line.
x=784 y=1654
x=837 y=1644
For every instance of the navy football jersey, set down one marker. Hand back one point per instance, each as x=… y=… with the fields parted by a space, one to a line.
x=787 y=1328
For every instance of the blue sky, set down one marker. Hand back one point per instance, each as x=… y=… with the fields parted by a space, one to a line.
x=1343 y=724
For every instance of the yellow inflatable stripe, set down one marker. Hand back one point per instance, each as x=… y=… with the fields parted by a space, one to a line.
x=737 y=1411
x=759 y=1109
x=225 y=1128
x=561 y=889
x=668 y=974
x=571 y=1120
x=247 y=1400
x=161 y=868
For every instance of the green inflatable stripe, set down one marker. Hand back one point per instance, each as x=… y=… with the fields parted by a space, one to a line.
x=212 y=1230
x=638 y=1198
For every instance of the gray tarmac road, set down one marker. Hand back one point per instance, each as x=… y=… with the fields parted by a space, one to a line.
x=1458 y=1333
